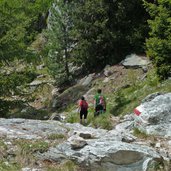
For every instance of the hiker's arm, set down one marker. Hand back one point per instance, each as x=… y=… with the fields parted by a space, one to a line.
x=105 y=103
x=79 y=107
x=94 y=103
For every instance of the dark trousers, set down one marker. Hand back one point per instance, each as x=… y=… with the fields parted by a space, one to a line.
x=84 y=113
x=99 y=109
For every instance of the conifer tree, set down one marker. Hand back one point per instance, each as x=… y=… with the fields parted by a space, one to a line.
x=18 y=27
x=159 y=42
x=106 y=31
x=59 y=41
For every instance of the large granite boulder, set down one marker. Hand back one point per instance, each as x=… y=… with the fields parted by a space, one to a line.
x=135 y=61
x=29 y=129
x=106 y=153
x=92 y=149
x=103 y=150
x=154 y=115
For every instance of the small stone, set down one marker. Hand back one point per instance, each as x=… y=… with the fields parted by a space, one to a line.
x=85 y=135
x=158 y=145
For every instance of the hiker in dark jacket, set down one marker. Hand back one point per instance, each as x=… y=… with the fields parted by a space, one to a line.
x=99 y=103
x=83 y=109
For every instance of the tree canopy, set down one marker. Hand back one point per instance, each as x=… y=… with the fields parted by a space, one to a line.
x=19 y=24
x=159 y=42
x=100 y=32
x=82 y=32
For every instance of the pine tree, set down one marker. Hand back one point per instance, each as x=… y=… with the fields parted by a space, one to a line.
x=59 y=41
x=159 y=42
x=18 y=27
x=106 y=31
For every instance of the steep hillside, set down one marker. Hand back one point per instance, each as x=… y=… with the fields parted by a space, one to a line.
x=124 y=88
x=103 y=142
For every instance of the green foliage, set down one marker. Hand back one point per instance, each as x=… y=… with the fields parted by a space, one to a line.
x=5 y=166
x=30 y=147
x=30 y=113
x=156 y=165
x=3 y=150
x=152 y=79
x=139 y=133
x=159 y=43
x=3 y=145
x=59 y=42
x=126 y=99
x=120 y=102
x=18 y=25
x=89 y=30
x=10 y=85
x=67 y=166
x=106 y=31
x=101 y=121
x=56 y=136
x=20 y=21
x=73 y=118
x=84 y=32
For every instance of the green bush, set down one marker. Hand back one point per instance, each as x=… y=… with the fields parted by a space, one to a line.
x=102 y=121
x=56 y=136
x=139 y=133
x=29 y=147
x=5 y=166
x=120 y=102
x=159 y=42
x=66 y=166
x=30 y=113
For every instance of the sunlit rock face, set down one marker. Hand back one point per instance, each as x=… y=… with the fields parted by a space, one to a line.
x=155 y=115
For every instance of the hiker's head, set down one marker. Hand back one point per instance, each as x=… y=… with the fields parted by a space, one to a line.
x=82 y=98
x=99 y=91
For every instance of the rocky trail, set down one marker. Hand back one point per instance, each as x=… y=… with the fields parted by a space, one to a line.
x=95 y=149
x=135 y=143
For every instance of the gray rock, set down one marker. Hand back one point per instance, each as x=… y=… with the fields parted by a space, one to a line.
x=85 y=135
x=87 y=80
x=31 y=169
x=75 y=70
x=110 y=155
x=40 y=67
x=135 y=61
x=103 y=151
x=155 y=116
x=29 y=129
x=55 y=92
x=56 y=116
x=76 y=142
x=106 y=80
x=151 y=97
x=107 y=71
x=36 y=83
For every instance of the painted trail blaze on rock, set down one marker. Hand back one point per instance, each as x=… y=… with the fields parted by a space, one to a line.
x=138 y=110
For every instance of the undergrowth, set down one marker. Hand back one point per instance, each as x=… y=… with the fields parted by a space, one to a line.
x=124 y=99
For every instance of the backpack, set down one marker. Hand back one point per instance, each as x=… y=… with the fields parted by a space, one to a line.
x=101 y=100
x=84 y=105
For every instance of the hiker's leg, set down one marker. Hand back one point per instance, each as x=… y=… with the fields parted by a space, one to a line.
x=85 y=116
x=81 y=115
x=100 y=109
x=97 y=110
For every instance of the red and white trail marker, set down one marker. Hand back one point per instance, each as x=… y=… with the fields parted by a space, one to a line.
x=138 y=110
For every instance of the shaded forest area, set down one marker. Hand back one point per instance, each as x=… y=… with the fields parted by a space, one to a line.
x=87 y=33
